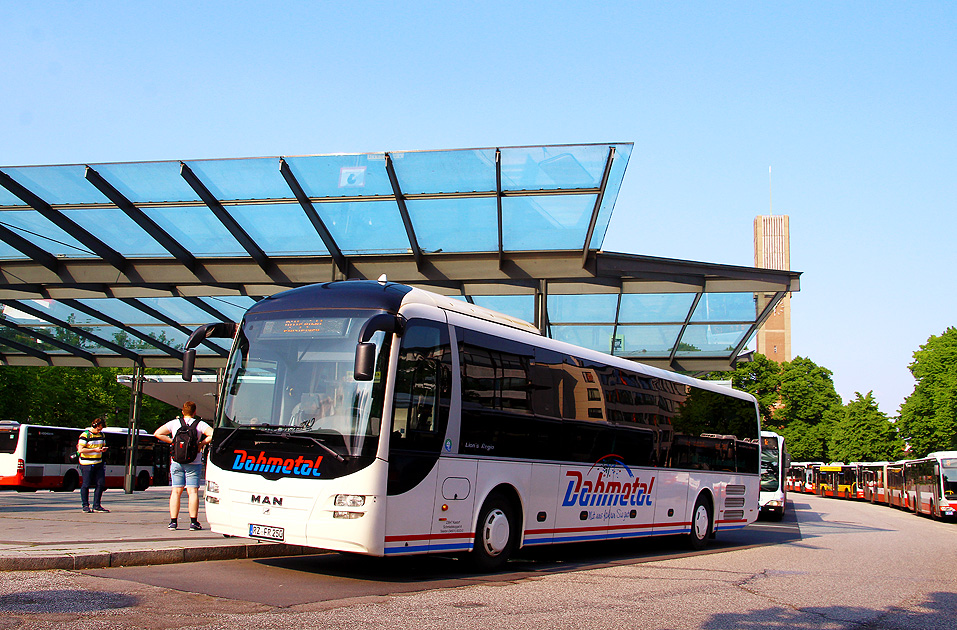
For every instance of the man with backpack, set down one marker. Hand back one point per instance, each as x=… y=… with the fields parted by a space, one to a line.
x=187 y=436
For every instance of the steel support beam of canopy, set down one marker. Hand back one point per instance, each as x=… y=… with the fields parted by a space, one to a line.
x=89 y=241
x=132 y=437
x=161 y=236
x=597 y=208
x=230 y=223
x=327 y=239
x=404 y=212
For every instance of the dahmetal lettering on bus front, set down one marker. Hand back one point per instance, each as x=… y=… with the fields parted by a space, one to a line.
x=299 y=467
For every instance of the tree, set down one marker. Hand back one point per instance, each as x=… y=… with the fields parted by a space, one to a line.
x=862 y=433
x=72 y=396
x=810 y=406
x=928 y=417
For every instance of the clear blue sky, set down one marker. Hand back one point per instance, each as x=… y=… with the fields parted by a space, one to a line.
x=851 y=104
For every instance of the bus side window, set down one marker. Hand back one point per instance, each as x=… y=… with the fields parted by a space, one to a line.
x=422 y=388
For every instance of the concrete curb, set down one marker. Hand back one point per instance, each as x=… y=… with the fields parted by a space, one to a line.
x=152 y=556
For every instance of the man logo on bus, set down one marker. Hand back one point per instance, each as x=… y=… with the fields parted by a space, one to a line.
x=606 y=490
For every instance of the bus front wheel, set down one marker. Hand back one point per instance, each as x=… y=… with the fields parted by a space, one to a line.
x=496 y=534
x=702 y=523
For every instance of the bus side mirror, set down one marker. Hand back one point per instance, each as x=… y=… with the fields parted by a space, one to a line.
x=365 y=361
x=223 y=330
x=189 y=360
x=365 y=350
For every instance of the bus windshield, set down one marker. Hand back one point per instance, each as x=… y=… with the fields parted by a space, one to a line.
x=770 y=468
x=293 y=375
x=948 y=471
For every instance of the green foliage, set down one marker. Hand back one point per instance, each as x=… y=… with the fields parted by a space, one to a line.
x=807 y=393
x=72 y=396
x=928 y=417
x=863 y=433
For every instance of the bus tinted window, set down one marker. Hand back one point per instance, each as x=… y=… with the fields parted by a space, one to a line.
x=8 y=440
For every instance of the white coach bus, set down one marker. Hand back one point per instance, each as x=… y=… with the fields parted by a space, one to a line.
x=775 y=463
x=375 y=418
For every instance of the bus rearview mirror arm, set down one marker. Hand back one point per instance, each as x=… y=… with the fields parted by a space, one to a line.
x=222 y=330
x=365 y=349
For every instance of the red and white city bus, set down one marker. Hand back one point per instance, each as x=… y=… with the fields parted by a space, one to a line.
x=930 y=484
x=38 y=457
x=375 y=418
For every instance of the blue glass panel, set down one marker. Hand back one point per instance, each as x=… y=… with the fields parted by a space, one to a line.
x=197 y=229
x=342 y=175
x=179 y=309
x=455 y=225
x=655 y=307
x=257 y=178
x=232 y=306
x=9 y=252
x=711 y=339
x=119 y=310
x=7 y=198
x=582 y=308
x=57 y=184
x=445 y=171
x=725 y=307
x=542 y=168
x=520 y=306
x=365 y=227
x=54 y=309
x=148 y=182
x=651 y=341
x=35 y=228
x=163 y=334
x=546 y=222
x=279 y=228
x=615 y=177
x=116 y=229
x=591 y=337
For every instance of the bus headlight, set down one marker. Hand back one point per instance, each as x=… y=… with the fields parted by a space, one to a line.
x=350 y=500
x=347 y=515
x=212 y=486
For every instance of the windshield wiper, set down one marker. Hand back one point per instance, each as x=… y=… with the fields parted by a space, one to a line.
x=300 y=434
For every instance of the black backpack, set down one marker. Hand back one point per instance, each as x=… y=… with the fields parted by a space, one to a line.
x=185 y=445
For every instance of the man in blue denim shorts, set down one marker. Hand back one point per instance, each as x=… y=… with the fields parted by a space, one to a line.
x=189 y=475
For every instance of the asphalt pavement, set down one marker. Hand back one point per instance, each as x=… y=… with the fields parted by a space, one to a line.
x=48 y=530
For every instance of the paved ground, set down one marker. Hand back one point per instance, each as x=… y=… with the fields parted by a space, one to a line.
x=48 y=530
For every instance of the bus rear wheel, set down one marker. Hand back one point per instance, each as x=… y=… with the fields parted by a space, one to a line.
x=71 y=481
x=702 y=522
x=495 y=534
x=142 y=481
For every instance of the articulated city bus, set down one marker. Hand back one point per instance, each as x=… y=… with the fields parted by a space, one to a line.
x=924 y=486
x=375 y=418
x=37 y=457
x=838 y=480
x=775 y=464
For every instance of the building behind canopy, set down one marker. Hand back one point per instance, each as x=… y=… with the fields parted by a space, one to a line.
x=115 y=264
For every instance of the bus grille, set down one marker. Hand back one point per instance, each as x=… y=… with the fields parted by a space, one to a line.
x=736 y=490
x=737 y=502
x=734 y=514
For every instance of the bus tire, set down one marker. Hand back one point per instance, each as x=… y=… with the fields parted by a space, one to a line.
x=496 y=534
x=142 y=481
x=71 y=481
x=702 y=523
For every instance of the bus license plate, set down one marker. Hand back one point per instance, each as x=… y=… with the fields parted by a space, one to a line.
x=266 y=532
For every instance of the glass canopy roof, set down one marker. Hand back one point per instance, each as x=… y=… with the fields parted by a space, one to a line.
x=113 y=264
